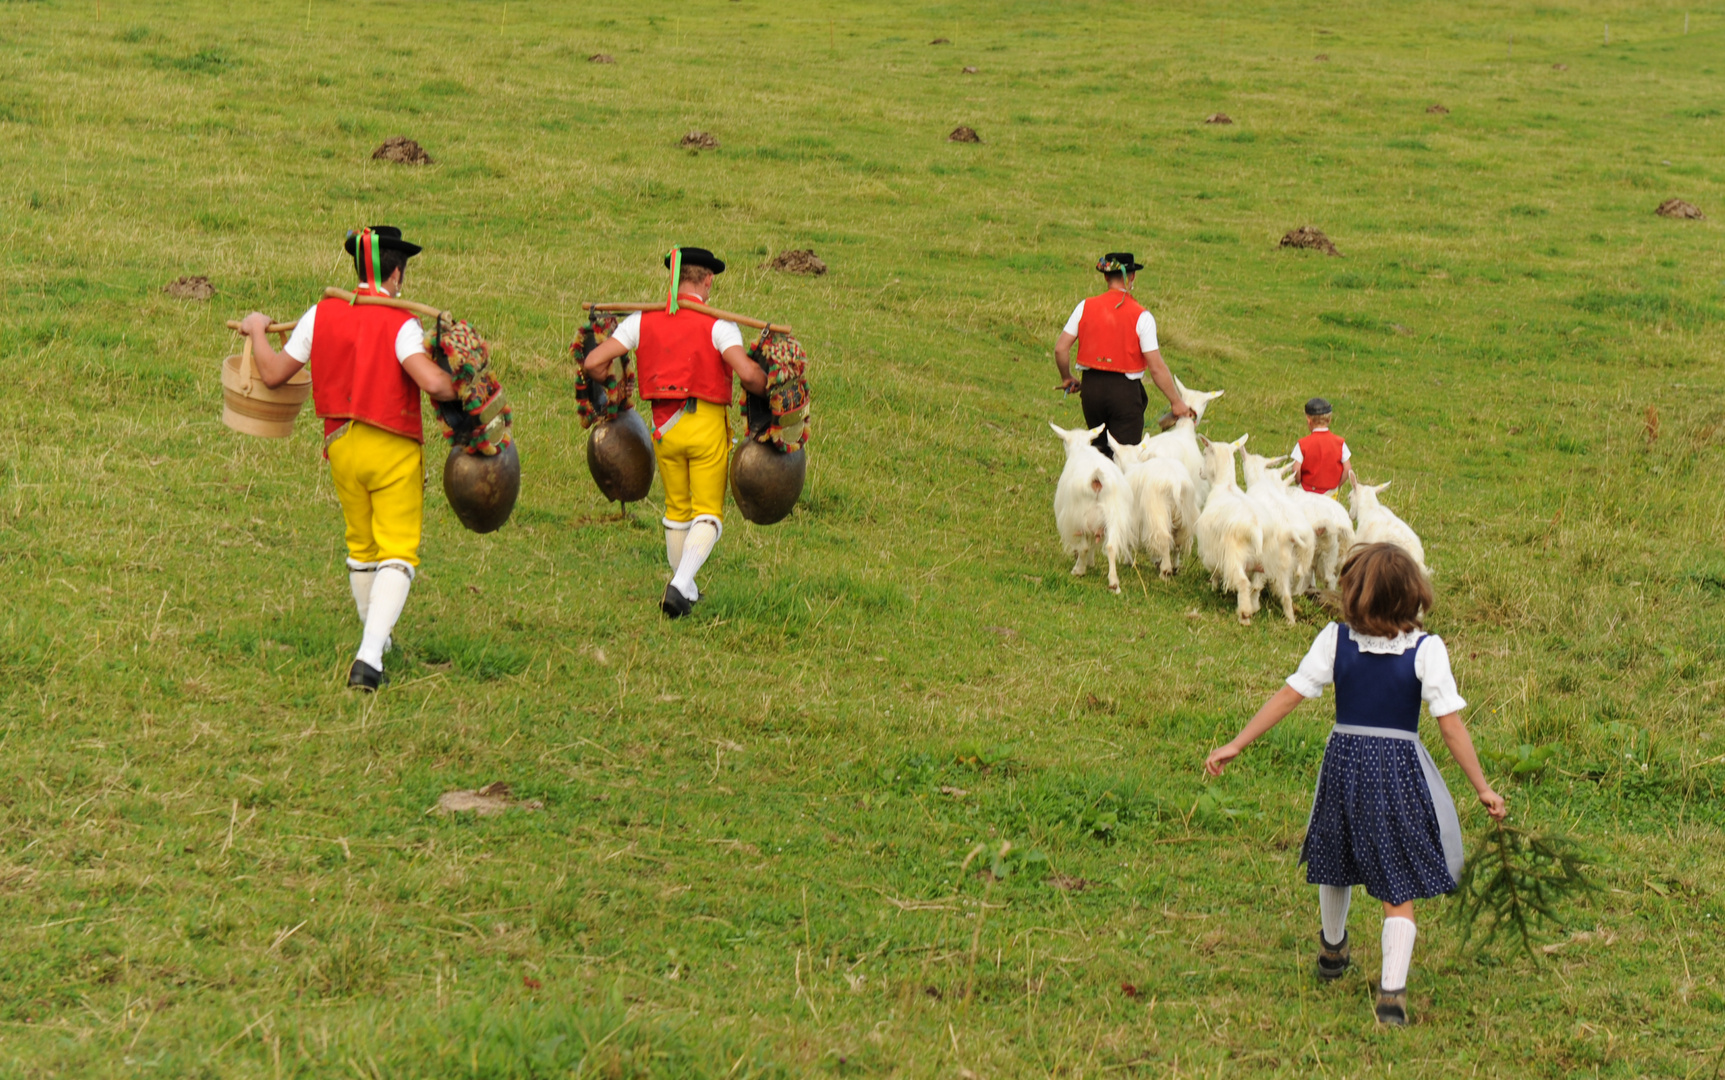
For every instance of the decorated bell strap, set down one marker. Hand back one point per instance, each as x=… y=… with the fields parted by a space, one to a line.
x=600 y=399
x=781 y=415
x=479 y=420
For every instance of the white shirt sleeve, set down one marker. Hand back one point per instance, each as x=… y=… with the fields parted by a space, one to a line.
x=1437 y=681
x=1077 y=317
x=299 y=342
x=1346 y=453
x=409 y=340
x=1147 y=332
x=628 y=332
x=726 y=334
x=1318 y=669
x=1300 y=455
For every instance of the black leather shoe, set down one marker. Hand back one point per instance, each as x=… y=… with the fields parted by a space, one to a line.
x=1333 y=960
x=675 y=605
x=362 y=676
x=1392 y=1007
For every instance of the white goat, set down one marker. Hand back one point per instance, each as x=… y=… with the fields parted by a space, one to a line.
x=1289 y=540
x=1092 y=505
x=1230 y=532
x=1375 y=523
x=1180 y=442
x=1165 y=505
x=1334 y=530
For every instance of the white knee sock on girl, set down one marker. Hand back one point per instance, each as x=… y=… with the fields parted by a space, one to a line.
x=1398 y=953
x=1333 y=908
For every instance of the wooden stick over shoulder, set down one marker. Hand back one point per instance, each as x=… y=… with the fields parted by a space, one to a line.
x=740 y=320
x=272 y=328
x=384 y=301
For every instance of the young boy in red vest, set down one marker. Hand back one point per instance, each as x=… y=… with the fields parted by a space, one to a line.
x=368 y=366
x=1116 y=347
x=684 y=363
x=1323 y=455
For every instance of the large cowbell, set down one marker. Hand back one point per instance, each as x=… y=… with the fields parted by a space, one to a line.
x=765 y=481
x=620 y=457
x=482 y=488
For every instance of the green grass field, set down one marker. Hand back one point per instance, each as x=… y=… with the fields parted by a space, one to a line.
x=755 y=852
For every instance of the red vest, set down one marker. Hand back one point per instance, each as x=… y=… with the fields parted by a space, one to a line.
x=1321 y=462
x=676 y=359
x=1108 y=333
x=354 y=371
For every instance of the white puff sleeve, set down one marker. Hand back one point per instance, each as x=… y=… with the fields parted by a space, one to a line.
x=1318 y=669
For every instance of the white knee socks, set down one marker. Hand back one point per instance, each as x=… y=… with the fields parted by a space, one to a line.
x=360 y=576
x=697 y=545
x=1333 y=908
x=675 y=534
x=388 y=596
x=1398 y=953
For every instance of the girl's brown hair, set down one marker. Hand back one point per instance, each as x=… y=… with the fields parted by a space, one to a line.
x=1384 y=592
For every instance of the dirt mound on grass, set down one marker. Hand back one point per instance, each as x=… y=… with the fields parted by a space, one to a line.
x=968 y=71
x=699 y=140
x=1307 y=237
x=1677 y=208
x=1560 y=67
x=1437 y=110
x=798 y=261
x=964 y=133
x=1219 y=118
x=190 y=288
x=601 y=58
x=1322 y=57
x=941 y=41
x=401 y=150
x=488 y=801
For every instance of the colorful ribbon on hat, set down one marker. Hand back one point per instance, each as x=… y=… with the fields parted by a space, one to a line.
x=367 y=258
x=1111 y=266
x=676 y=257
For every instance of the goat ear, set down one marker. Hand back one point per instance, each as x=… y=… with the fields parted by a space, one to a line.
x=1276 y=462
x=1241 y=441
x=1203 y=440
x=1383 y=485
x=1058 y=430
x=1097 y=430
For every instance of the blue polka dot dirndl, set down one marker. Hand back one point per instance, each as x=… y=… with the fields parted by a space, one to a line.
x=1382 y=816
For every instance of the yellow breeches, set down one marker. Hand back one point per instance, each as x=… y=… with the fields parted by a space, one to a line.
x=379 y=478
x=692 y=457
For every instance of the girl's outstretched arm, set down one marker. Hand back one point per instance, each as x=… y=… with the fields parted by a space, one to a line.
x=1460 y=745
x=1273 y=712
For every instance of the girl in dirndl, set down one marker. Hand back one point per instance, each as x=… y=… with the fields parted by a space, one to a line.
x=1381 y=816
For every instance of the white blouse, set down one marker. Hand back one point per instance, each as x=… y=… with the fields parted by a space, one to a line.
x=1431 y=665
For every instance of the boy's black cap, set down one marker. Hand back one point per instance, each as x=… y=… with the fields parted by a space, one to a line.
x=694 y=256
x=1317 y=407
x=388 y=239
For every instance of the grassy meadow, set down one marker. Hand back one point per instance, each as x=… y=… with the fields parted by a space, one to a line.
x=774 y=837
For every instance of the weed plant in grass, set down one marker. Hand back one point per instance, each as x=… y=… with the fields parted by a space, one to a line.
x=775 y=837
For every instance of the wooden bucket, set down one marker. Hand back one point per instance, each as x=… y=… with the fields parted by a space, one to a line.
x=250 y=407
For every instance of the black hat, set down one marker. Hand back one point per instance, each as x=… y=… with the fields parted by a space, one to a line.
x=694 y=256
x=388 y=239
x=1118 y=262
x=1317 y=407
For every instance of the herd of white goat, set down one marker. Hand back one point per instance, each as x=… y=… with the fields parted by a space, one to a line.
x=1177 y=489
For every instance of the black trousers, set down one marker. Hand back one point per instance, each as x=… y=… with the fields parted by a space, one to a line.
x=1110 y=398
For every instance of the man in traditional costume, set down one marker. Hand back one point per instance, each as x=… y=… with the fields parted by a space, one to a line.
x=684 y=363
x=1116 y=347
x=368 y=366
